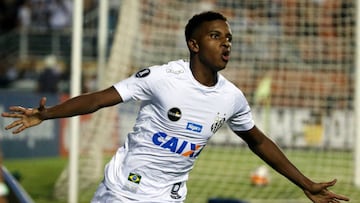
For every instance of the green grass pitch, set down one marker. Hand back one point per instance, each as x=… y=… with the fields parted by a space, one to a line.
x=219 y=172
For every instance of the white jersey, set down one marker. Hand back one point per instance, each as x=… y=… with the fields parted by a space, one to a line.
x=177 y=117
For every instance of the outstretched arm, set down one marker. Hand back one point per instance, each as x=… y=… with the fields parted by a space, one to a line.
x=80 y=105
x=272 y=155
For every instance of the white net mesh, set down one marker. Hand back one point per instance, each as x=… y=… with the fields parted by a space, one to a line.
x=103 y=124
x=293 y=59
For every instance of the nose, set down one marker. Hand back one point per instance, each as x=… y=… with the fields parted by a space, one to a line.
x=227 y=43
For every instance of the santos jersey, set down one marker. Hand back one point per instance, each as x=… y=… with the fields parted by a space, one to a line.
x=177 y=117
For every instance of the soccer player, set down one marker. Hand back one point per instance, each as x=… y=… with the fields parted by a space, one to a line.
x=183 y=104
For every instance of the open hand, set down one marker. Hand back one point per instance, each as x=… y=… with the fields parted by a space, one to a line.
x=26 y=117
x=320 y=194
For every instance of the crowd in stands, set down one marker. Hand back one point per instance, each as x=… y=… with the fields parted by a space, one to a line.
x=287 y=35
x=38 y=14
x=47 y=75
x=34 y=75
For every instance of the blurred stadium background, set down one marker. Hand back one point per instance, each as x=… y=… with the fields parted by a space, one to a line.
x=293 y=59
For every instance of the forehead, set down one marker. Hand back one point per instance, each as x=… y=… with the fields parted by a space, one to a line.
x=215 y=25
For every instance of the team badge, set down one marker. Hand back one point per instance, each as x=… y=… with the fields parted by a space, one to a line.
x=219 y=121
x=174 y=114
x=135 y=178
x=142 y=73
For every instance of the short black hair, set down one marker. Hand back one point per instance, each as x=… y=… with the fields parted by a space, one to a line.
x=200 y=18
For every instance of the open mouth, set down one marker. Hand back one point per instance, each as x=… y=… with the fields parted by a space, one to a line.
x=225 y=56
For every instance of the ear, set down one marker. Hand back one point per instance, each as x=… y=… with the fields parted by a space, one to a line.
x=193 y=45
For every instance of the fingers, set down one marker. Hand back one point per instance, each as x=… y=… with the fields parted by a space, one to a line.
x=323 y=195
x=26 y=116
x=15 y=112
x=331 y=183
x=21 y=125
x=12 y=115
x=335 y=200
x=326 y=185
x=18 y=112
x=15 y=124
x=17 y=109
x=335 y=197
x=42 y=104
x=339 y=197
x=20 y=129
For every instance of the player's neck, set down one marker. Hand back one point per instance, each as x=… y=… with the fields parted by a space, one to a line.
x=203 y=75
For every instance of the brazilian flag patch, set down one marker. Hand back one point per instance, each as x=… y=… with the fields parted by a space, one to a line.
x=135 y=178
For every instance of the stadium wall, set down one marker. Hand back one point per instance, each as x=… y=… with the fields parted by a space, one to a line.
x=40 y=141
x=288 y=127
x=300 y=128
x=49 y=139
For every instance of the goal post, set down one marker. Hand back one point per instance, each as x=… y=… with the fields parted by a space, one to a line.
x=102 y=124
x=357 y=97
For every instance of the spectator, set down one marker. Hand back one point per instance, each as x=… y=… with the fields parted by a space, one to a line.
x=60 y=14
x=8 y=73
x=50 y=77
x=40 y=15
x=24 y=15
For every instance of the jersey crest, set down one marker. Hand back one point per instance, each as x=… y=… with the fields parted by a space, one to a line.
x=219 y=121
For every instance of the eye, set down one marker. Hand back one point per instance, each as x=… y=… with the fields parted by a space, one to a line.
x=214 y=36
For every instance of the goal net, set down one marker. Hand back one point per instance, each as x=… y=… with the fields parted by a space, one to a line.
x=294 y=61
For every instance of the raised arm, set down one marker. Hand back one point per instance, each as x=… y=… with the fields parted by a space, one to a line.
x=268 y=151
x=79 y=105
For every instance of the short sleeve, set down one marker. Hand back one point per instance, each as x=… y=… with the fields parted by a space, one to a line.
x=137 y=86
x=242 y=120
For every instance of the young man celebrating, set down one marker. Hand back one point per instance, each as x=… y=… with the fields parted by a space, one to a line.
x=183 y=105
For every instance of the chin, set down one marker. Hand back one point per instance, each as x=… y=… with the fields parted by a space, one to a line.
x=219 y=66
x=222 y=67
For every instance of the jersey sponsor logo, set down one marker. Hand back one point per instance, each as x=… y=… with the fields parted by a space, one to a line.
x=174 y=71
x=174 y=114
x=142 y=73
x=135 y=178
x=194 y=127
x=219 y=121
x=177 y=145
